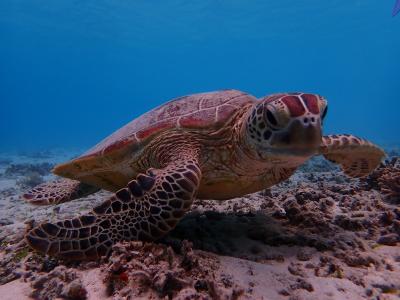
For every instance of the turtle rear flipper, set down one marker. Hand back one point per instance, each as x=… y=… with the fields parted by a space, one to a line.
x=146 y=209
x=357 y=157
x=58 y=191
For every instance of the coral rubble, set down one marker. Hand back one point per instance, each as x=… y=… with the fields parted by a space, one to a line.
x=386 y=179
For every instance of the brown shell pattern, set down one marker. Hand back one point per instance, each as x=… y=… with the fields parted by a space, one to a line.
x=197 y=112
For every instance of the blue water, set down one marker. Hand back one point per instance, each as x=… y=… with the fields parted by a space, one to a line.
x=72 y=72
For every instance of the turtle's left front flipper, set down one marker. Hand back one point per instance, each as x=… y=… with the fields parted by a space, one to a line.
x=357 y=157
x=148 y=208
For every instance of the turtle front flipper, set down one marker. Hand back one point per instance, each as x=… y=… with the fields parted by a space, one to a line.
x=58 y=191
x=357 y=157
x=146 y=209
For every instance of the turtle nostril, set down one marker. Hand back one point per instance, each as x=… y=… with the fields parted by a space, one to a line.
x=312 y=119
x=305 y=120
x=271 y=118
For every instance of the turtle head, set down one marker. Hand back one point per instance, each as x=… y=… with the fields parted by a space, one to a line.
x=287 y=124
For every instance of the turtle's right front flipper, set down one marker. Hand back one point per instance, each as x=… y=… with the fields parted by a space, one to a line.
x=58 y=191
x=357 y=157
x=146 y=209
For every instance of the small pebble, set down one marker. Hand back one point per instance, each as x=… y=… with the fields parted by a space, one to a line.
x=390 y=239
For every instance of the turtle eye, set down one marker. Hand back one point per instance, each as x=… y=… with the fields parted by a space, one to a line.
x=271 y=118
x=324 y=113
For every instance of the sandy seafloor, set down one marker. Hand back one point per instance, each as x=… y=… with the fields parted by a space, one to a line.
x=319 y=235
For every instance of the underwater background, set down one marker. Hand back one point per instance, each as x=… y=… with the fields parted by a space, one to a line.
x=72 y=72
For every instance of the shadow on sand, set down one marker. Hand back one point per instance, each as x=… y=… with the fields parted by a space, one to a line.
x=249 y=235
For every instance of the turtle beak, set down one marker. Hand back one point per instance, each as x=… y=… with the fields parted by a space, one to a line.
x=302 y=134
x=305 y=135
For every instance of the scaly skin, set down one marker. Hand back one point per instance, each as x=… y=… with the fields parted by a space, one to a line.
x=58 y=191
x=357 y=157
x=146 y=209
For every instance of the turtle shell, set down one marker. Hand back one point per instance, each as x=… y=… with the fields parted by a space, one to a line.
x=202 y=112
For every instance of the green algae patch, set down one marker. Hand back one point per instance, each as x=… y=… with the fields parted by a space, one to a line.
x=21 y=254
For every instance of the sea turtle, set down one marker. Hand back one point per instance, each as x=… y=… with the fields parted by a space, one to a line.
x=216 y=145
